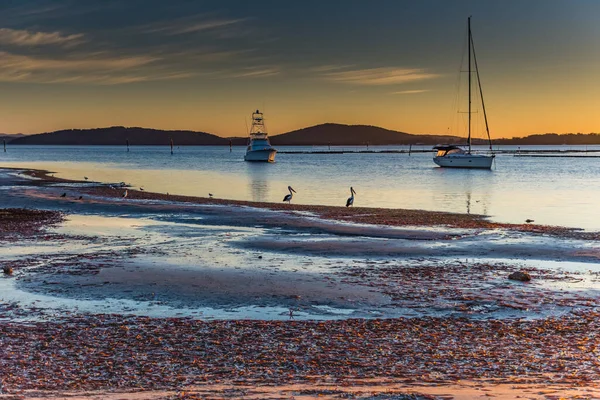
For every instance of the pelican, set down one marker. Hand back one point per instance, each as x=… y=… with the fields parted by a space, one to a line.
x=350 y=200
x=125 y=193
x=288 y=197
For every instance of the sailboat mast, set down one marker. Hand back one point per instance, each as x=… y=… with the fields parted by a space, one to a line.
x=469 y=45
x=487 y=128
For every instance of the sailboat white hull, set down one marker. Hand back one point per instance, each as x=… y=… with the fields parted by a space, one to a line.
x=475 y=161
x=266 y=155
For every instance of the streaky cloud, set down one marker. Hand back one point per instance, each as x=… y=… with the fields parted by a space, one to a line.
x=256 y=72
x=411 y=91
x=379 y=76
x=86 y=69
x=190 y=25
x=17 y=37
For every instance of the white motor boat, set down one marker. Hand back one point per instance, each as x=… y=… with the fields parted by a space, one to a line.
x=259 y=148
x=452 y=156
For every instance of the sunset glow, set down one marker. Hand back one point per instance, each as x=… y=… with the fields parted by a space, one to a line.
x=206 y=65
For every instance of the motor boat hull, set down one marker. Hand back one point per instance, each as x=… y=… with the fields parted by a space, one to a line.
x=265 y=155
x=474 y=161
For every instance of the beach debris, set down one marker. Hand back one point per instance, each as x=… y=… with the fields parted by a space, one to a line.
x=64 y=194
x=80 y=198
x=529 y=221
x=522 y=276
x=125 y=193
x=210 y=195
x=141 y=189
x=95 y=352
x=7 y=269
x=85 y=177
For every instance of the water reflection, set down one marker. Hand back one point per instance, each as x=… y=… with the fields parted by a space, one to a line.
x=258 y=180
x=472 y=186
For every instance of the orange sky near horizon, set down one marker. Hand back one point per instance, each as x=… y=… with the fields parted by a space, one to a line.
x=205 y=66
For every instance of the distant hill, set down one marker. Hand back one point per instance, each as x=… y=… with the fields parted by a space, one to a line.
x=10 y=137
x=318 y=135
x=339 y=134
x=118 y=135
x=553 y=139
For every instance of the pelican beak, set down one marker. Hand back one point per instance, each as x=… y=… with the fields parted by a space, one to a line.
x=292 y=190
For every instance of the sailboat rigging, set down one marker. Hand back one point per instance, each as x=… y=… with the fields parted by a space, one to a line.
x=453 y=156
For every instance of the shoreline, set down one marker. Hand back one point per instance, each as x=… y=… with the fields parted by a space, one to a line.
x=393 y=217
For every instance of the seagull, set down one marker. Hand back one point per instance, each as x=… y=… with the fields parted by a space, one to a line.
x=64 y=194
x=210 y=195
x=350 y=200
x=125 y=193
x=288 y=197
x=529 y=220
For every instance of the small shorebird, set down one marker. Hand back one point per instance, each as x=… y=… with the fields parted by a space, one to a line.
x=350 y=200
x=85 y=177
x=288 y=197
x=210 y=195
x=529 y=220
x=125 y=193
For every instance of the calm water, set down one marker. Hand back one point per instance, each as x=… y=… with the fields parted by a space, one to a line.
x=558 y=191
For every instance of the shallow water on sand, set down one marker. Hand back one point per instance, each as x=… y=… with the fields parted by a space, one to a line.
x=204 y=261
x=554 y=191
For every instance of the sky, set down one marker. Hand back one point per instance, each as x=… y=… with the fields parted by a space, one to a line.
x=206 y=65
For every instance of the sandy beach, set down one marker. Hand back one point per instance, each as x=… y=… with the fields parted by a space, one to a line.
x=164 y=296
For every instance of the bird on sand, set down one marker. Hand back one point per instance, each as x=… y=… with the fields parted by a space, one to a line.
x=141 y=189
x=85 y=177
x=288 y=197
x=63 y=195
x=529 y=220
x=350 y=200
x=125 y=193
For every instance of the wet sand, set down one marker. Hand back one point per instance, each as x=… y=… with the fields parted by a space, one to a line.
x=453 y=324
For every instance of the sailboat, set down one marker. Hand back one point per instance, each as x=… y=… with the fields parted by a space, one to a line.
x=259 y=148
x=453 y=156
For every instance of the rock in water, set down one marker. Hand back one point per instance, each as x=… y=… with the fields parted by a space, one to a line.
x=520 y=276
x=7 y=270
